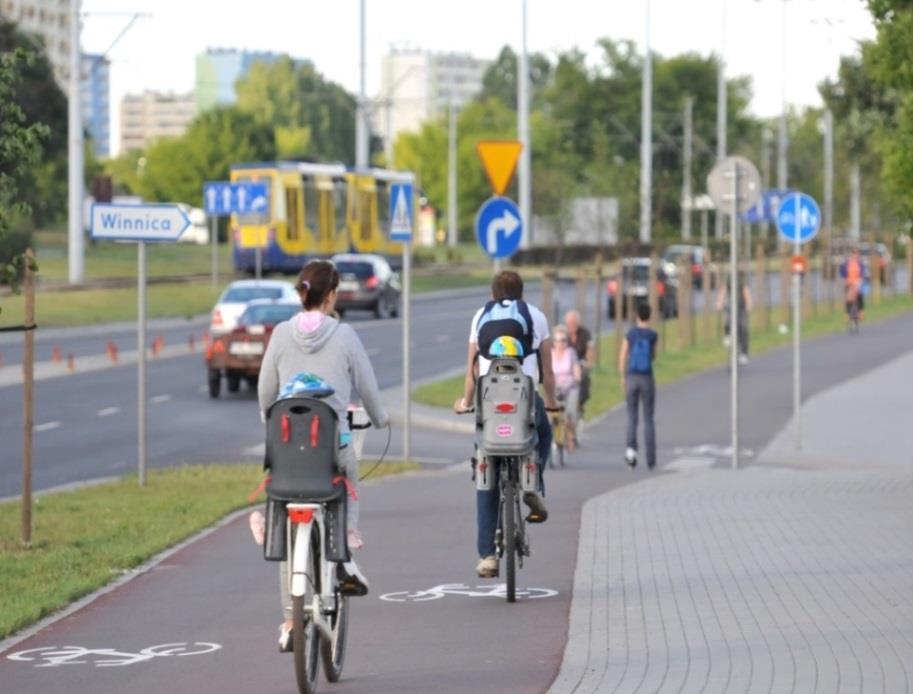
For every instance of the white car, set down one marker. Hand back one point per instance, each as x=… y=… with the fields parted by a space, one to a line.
x=234 y=300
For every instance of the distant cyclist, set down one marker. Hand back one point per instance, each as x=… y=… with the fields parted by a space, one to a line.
x=724 y=303
x=854 y=274
x=582 y=341
x=315 y=342
x=507 y=299
x=568 y=375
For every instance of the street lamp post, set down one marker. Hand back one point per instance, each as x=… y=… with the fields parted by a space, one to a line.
x=524 y=182
x=646 y=139
x=75 y=261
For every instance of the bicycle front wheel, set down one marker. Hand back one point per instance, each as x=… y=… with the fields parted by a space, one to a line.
x=334 y=649
x=304 y=632
x=510 y=538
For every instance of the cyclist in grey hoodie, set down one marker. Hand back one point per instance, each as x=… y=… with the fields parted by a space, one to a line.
x=314 y=341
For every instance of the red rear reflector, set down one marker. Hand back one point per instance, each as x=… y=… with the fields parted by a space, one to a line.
x=504 y=407
x=217 y=317
x=301 y=515
x=315 y=430
x=286 y=425
x=372 y=282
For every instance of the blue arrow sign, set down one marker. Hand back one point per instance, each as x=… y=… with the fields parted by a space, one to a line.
x=765 y=211
x=499 y=227
x=222 y=198
x=798 y=218
x=149 y=222
x=401 y=212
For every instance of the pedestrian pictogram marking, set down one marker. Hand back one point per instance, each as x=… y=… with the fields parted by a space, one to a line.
x=499 y=158
x=401 y=212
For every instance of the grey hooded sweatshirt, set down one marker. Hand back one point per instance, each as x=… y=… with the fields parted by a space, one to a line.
x=332 y=351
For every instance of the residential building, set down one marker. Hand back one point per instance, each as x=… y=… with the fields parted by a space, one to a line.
x=218 y=69
x=95 y=92
x=418 y=85
x=50 y=20
x=151 y=115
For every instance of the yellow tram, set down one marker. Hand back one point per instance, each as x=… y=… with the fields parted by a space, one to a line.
x=314 y=210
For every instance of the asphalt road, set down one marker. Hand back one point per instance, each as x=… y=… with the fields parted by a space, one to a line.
x=86 y=422
x=419 y=534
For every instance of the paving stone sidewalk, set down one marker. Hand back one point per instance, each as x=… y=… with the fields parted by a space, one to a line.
x=764 y=580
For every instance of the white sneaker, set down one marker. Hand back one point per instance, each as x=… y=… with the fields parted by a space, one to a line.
x=355 y=539
x=631 y=457
x=726 y=341
x=743 y=359
x=257 y=522
x=487 y=567
x=285 y=638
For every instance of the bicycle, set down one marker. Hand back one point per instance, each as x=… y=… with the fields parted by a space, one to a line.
x=306 y=487
x=505 y=427
x=561 y=434
x=852 y=308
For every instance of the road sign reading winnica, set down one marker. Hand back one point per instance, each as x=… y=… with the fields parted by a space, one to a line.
x=150 y=222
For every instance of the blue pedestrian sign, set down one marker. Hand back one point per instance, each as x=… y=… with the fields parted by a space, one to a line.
x=149 y=222
x=798 y=218
x=499 y=227
x=765 y=210
x=401 y=212
x=222 y=198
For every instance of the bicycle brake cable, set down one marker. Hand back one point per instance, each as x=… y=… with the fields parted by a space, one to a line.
x=382 y=455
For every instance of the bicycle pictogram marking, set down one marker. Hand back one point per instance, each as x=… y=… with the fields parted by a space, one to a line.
x=497 y=590
x=54 y=656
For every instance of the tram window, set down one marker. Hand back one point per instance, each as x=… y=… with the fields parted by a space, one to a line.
x=383 y=208
x=311 y=206
x=293 y=211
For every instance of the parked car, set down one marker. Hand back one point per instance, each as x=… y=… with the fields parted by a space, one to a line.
x=635 y=279
x=237 y=295
x=238 y=354
x=690 y=255
x=367 y=282
x=877 y=258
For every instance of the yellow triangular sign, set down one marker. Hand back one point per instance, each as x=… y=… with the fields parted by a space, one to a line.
x=499 y=157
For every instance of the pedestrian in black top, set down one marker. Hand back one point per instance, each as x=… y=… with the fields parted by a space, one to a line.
x=635 y=369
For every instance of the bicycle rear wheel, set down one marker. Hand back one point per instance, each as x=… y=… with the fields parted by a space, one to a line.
x=510 y=537
x=334 y=649
x=305 y=639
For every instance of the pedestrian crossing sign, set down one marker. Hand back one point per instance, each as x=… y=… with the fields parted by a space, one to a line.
x=401 y=212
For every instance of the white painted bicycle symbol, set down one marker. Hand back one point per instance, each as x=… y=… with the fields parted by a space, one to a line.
x=54 y=656
x=497 y=590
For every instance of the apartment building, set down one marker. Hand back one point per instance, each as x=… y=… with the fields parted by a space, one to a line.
x=151 y=115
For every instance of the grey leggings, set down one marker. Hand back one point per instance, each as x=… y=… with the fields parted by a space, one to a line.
x=349 y=462
x=641 y=387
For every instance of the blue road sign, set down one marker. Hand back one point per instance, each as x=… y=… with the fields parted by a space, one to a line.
x=499 y=227
x=765 y=211
x=401 y=212
x=222 y=198
x=798 y=218
x=150 y=222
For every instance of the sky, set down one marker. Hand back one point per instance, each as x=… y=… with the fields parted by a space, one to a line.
x=158 y=50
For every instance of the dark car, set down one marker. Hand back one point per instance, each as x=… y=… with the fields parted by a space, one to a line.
x=689 y=254
x=367 y=282
x=238 y=354
x=635 y=285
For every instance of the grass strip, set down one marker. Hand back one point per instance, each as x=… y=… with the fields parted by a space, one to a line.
x=85 y=538
x=674 y=363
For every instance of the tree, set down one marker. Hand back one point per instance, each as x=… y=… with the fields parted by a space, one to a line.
x=500 y=78
x=20 y=148
x=310 y=116
x=176 y=168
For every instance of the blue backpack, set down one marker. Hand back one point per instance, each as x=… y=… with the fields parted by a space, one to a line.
x=505 y=318
x=641 y=355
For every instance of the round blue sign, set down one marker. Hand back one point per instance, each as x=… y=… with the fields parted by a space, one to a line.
x=499 y=227
x=798 y=218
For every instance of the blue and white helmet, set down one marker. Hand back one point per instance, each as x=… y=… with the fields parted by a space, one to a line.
x=306 y=384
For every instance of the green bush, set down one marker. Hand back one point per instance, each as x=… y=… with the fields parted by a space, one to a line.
x=12 y=245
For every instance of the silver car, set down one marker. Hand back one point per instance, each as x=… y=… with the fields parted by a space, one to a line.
x=234 y=300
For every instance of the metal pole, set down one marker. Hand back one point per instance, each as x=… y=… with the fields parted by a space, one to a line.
x=782 y=144
x=766 y=141
x=407 y=351
x=214 y=240
x=646 y=138
x=361 y=124
x=828 y=200
x=721 y=110
x=855 y=216
x=452 y=178
x=797 y=327
x=734 y=290
x=141 y=360
x=258 y=263
x=75 y=259
x=28 y=405
x=524 y=181
x=686 y=178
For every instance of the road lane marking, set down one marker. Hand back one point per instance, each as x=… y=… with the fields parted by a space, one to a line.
x=47 y=426
x=497 y=590
x=441 y=339
x=158 y=399
x=107 y=411
x=52 y=656
x=690 y=463
x=373 y=352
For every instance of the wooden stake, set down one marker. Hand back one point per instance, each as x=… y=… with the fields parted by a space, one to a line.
x=28 y=380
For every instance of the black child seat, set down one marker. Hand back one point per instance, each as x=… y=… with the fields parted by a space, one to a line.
x=302 y=454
